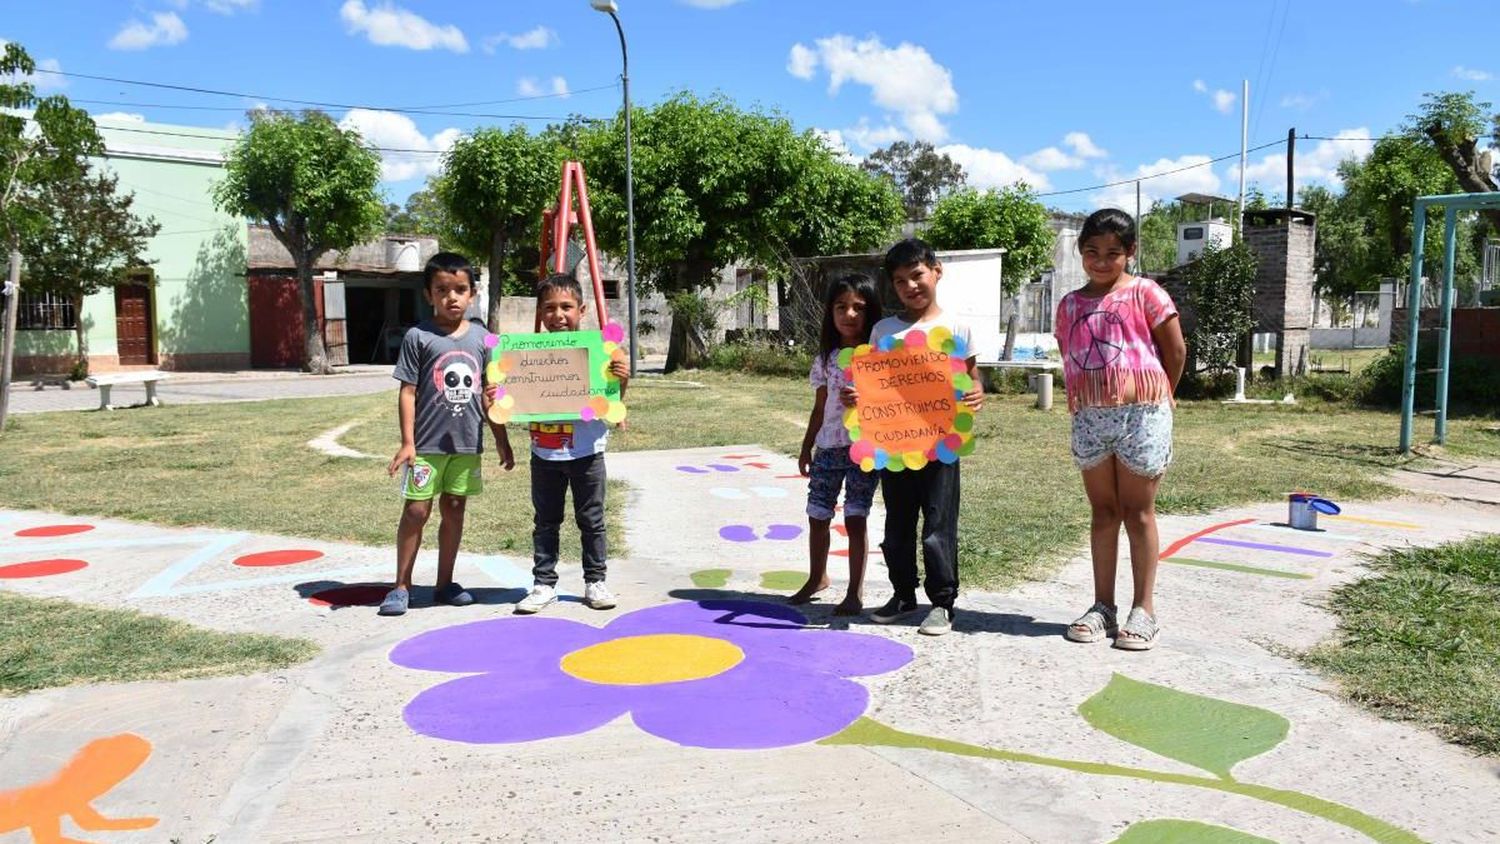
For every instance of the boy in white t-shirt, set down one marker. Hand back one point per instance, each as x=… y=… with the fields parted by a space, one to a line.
x=932 y=491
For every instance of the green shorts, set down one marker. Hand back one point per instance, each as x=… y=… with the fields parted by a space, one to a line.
x=448 y=474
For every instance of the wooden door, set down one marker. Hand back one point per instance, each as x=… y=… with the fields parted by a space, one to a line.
x=134 y=325
x=275 y=323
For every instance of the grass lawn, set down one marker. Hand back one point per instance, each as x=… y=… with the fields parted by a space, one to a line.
x=110 y=645
x=246 y=466
x=1420 y=640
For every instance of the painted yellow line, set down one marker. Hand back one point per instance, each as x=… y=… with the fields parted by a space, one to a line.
x=1377 y=522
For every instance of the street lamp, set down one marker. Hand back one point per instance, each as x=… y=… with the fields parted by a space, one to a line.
x=610 y=8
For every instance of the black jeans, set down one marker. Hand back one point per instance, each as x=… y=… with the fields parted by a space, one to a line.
x=931 y=492
x=550 y=480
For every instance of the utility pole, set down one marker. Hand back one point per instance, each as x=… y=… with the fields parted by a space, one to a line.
x=12 y=305
x=1239 y=223
x=1291 y=151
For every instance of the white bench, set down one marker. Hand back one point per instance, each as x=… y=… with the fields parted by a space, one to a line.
x=148 y=377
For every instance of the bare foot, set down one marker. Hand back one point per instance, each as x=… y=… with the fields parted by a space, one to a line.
x=808 y=591
x=849 y=606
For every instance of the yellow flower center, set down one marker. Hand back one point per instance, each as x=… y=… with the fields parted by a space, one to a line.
x=648 y=660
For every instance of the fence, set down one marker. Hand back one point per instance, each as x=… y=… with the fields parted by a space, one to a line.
x=1360 y=321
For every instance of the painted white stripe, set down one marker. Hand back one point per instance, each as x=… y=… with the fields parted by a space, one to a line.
x=1310 y=534
x=161 y=585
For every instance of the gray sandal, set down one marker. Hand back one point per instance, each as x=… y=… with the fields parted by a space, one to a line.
x=1098 y=623
x=1139 y=633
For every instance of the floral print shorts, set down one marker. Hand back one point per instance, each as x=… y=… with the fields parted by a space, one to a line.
x=1139 y=434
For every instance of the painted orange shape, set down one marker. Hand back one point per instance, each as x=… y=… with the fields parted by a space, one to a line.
x=93 y=772
x=54 y=530
x=288 y=557
x=40 y=568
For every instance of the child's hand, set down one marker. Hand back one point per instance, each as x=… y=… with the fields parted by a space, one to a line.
x=620 y=369
x=974 y=399
x=848 y=396
x=403 y=458
x=804 y=461
x=507 y=457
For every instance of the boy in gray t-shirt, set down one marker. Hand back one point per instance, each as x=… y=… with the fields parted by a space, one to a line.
x=441 y=411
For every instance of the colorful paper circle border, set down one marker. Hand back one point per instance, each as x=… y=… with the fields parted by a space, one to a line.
x=948 y=449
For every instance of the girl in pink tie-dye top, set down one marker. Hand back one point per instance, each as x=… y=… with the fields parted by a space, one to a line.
x=1123 y=354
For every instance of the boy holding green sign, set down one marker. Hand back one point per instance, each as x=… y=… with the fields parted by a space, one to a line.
x=568 y=455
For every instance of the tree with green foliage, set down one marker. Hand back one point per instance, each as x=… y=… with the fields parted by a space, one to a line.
x=87 y=239
x=1220 y=287
x=314 y=185
x=1008 y=218
x=919 y=172
x=494 y=186
x=1453 y=123
x=422 y=214
x=715 y=185
x=42 y=139
x=1373 y=217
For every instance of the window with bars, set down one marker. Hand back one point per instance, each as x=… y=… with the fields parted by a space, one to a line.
x=38 y=311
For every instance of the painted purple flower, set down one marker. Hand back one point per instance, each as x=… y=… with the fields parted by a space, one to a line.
x=717 y=674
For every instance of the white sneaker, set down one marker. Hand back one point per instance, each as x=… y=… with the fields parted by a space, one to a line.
x=539 y=598
x=598 y=596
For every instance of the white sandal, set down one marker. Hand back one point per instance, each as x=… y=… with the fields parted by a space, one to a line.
x=1098 y=623
x=1139 y=632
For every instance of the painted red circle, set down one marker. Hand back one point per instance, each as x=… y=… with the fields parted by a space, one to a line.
x=55 y=530
x=363 y=595
x=278 y=558
x=40 y=568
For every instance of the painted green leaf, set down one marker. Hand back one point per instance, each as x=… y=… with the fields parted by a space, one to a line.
x=1173 y=831
x=1211 y=734
x=783 y=580
x=710 y=578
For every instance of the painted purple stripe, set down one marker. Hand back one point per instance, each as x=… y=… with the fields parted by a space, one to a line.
x=1259 y=546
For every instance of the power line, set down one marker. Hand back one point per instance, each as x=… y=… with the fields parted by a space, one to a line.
x=1151 y=176
x=425 y=110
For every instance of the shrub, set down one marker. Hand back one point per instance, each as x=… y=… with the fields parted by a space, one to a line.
x=1473 y=382
x=761 y=357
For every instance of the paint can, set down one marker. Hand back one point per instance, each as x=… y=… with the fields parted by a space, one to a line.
x=1303 y=509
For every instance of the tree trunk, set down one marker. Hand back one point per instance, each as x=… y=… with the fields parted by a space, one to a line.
x=82 y=368
x=497 y=281
x=314 y=355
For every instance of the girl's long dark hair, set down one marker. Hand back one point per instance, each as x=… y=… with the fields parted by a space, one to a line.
x=860 y=285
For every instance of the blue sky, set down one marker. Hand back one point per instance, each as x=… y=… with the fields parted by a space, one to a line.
x=1053 y=93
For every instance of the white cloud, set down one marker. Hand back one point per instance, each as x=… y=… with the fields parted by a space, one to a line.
x=120 y=117
x=229 y=7
x=710 y=4
x=222 y=7
x=1316 y=164
x=539 y=38
x=1052 y=158
x=988 y=168
x=165 y=29
x=529 y=87
x=389 y=25
x=904 y=80
x=870 y=137
x=1195 y=174
x=1472 y=74
x=801 y=62
x=1223 y=101
x=1083 y=146
x=1303 y=101
x=397 y=132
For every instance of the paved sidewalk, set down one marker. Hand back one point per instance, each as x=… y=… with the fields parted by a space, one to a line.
x=208 y=387
x=704 y=707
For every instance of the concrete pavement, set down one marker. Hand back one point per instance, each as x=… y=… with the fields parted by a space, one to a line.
x=207 y=388
x=703 y=707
